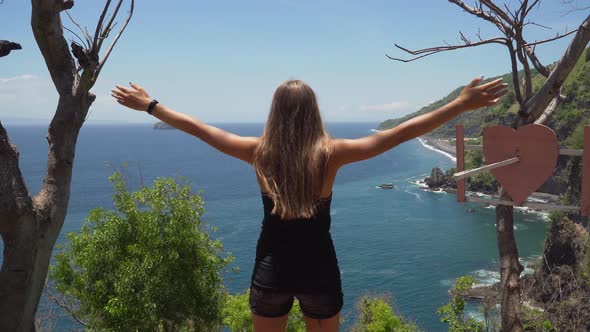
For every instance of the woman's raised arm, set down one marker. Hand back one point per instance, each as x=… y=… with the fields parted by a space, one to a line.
x=346 y=151
x=234 y=145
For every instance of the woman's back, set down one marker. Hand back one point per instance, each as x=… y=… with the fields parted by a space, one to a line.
x=296 y=255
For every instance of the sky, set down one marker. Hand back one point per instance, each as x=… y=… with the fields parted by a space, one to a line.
x=220 y=61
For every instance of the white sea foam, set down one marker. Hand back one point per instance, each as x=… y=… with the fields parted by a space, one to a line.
x=486 y=277
x=375 y=130
x=420 y=183
x=418 y=197
x=438 y=191
x=513 y=227
x=478 y=194
x=430 y=147
x=537 y=200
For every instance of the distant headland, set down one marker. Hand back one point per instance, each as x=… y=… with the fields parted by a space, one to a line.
x=162 y=125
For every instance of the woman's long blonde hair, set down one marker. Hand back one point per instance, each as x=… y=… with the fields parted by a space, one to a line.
x=292 y=156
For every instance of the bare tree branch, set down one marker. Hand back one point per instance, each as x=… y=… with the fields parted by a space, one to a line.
x=515 y=78
x=526 y=13
x=107 y=29
x=433 y=50
x=110 y=49
x=7 y=46
x=537 y=104
x=550 y=39
x=528 y=82
x=87 y=38
x=551 y=108
x=99 y=25
x=496 y=10
x=62 y=303
x=14 y=196
x=48 y=32
x=530 y=52
x=479 y=12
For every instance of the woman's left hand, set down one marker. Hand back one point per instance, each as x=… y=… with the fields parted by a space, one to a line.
x=135 y=97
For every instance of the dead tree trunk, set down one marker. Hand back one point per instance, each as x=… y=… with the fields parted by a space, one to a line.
x=29 y=226
x=537 y=107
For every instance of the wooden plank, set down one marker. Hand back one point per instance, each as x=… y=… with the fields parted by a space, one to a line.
x=460 y=152
x=586 y=173
x=472 y=172
x=571 y=152
x=473 y=147
x=532 y=205
x=563 y=152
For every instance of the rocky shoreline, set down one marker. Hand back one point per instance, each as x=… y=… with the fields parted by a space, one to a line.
x=445 y=145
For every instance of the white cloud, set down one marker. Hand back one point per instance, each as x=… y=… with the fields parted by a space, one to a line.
x=396 y=106
x=24 y=77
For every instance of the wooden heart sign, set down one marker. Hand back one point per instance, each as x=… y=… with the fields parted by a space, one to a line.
x=537 y=148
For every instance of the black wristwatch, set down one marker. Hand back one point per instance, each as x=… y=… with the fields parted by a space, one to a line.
x=150 y=108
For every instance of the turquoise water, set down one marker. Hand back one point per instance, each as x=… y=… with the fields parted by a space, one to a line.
x=404 y=242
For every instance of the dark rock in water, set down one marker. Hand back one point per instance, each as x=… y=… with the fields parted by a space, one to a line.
x=386 y=186
x=487 y=293
x=438 y=179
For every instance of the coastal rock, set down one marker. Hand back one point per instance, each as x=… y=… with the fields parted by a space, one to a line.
x=565 y=245
x=484 y=293
x=436 y=178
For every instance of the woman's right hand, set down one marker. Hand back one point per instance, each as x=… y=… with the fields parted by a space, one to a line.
x=475 y=96
x=135 y=97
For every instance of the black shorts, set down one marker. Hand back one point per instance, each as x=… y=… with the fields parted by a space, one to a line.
x=316 y=305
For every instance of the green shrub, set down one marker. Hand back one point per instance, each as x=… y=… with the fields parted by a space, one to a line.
x=453 y=313
x=149 y=265
x=238 y=318
x=375 y=314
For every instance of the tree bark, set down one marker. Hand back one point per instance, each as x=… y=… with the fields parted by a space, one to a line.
x=510 y=267
x=30 y=232
x=30 y=226
x=544 y=100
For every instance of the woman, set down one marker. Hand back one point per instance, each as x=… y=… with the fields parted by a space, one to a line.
x=296 y=162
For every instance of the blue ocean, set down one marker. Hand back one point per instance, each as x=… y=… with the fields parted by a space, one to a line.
x=405 y=242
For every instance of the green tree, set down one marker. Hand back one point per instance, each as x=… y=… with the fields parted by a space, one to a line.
x=375 y=314
x=149 y=265
x=453 y=313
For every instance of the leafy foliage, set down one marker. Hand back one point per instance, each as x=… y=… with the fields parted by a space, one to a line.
x=376 y=315
x=453 y=313
x=573 y=112
x=482 y=182
x=536 y=320
x=238 y=318
x=148 y=265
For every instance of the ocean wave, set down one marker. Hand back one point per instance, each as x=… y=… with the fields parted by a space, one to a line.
x=375 y=130
x=513 y=227
x=478 y=194
x=419 y=183
x=486 y=277
x=430 y=147
x=537 y=200
x=437 y=191
x=388 y=272
x=418 y=197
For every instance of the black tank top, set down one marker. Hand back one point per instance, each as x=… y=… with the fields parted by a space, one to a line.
x=296 y=255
